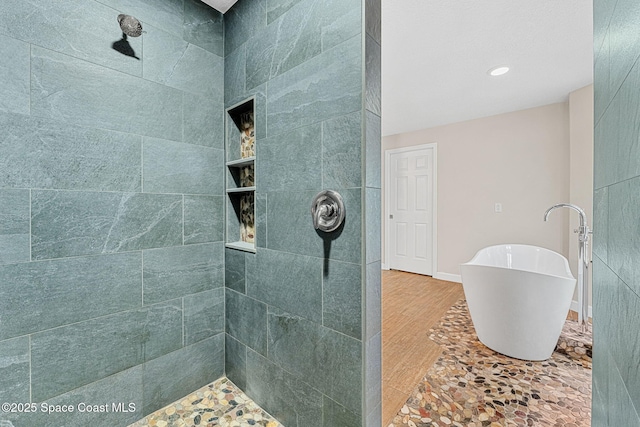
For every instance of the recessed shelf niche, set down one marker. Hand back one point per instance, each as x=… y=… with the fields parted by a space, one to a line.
x=241 y=159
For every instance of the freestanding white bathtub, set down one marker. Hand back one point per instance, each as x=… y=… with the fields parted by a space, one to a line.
x=518 y=297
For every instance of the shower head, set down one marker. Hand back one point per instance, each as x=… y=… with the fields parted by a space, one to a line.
x=130 y=25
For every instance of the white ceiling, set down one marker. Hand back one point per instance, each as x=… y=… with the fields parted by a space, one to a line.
x=220 y=5
x=436 y=54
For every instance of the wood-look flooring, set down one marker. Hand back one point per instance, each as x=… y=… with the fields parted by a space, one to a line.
x=411 y=305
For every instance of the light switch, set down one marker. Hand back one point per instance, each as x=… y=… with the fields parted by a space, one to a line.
x=498 y=207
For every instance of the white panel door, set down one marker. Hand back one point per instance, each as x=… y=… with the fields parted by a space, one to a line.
x=411 y=211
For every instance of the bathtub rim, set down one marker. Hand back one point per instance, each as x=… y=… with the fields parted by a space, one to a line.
x=473 y=261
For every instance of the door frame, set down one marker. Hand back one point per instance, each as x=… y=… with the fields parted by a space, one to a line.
x=387 y=185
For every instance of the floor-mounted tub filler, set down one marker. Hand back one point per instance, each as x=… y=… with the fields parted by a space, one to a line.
x=518 y=297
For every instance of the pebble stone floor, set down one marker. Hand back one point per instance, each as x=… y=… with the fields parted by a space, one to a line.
x=473 y=386
x=220 y=403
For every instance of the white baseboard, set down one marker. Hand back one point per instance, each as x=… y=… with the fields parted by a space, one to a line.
x=384 y=267
x=448 y=277
x=574 y=307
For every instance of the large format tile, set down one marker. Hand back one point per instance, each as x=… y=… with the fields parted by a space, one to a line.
x=373 y=19
x=246 y=320
x=625 y=348
x=291 y=161
x=605 y=301
x=182 y=270
x=329 y=85
x=285 y=43
x=340 y=20
x=286 y=397
x=243 y=21
x=600 y=222
x=373 y=167
x=373 y=374
x=622 y=411
x=14 y=74
x=82 y=29
x=602 y=93
x=174 y=167
x=203 y=219
x=341 y=151
x=602 y=12
x=49 y=154
x=79 y=92
x=177 y=374
x=65 y=223
x=203 y=315
x=261 y=219
x=203 y=120
x=171 y=61
x=165 y=14
x=236 y=361
x=336 y=415
x=289 y=281
x=65 y=358
x=14 y=226
x=276 y=8
x=373 y=86
x=234 y=270
x=342 y=298
x=373 y=225
x=118 y=399
x=203 y=26
x=627 y=125
x=373 y=300
x=607 y=134
x=47 y=294
x=327 y=360
x=14 y=370
x=290 y=227
x=234 y=76
x=624 y=46
x=624 y=199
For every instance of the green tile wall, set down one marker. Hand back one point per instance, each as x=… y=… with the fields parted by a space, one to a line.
x=616 y=242
x=303 y=313
x=111 y=206
x=112 y=264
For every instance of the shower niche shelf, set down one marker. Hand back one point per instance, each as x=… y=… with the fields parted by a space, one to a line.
x=241 y=186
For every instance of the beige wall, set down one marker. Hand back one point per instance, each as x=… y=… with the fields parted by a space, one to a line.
x=580 y=165
x=519 y=159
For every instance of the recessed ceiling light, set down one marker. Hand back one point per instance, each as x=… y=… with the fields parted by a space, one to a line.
x=498 y=71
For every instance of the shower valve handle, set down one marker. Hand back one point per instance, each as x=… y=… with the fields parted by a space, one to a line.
x=327 y=211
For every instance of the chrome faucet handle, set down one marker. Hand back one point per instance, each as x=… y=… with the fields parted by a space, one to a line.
x=327 y=211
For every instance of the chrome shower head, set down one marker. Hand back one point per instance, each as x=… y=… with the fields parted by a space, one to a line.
x=130 y=25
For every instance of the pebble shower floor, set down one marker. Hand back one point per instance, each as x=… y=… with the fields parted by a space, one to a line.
x=220 y=403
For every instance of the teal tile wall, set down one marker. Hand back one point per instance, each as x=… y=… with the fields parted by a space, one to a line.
x=14 y=93
x=79 y=92
x=61 y=292
x=616 y=245
x=372 y=212
x=68 y=357
x=303 y=312
x=81 y=29
x=285 y=396
x=14 y=226
x=14 y=370
x=111 y=205
x=49 y=154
